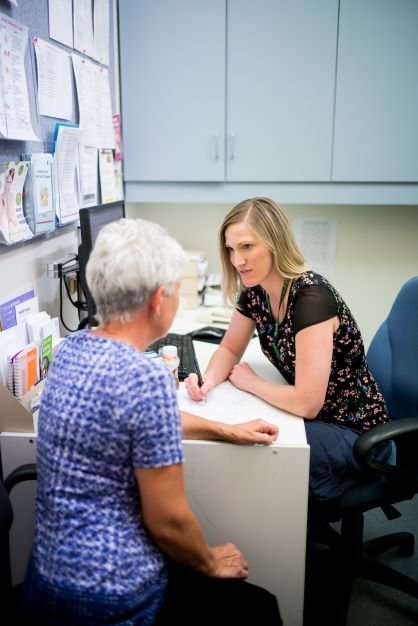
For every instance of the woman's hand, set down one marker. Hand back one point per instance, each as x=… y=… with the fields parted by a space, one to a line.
x=243 y=377
x=256 y=431
x=195 y=392
x=228 y=562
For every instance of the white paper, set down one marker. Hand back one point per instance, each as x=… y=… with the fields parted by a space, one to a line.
x=94 y=103
x=15 y=121
x=83 y=26
x=229 y=405
x=88 y=176
x=55 y=94
x=61 y=21
x=104 y=119
x=85 y=78
x=23 y=309
x=101 y=31
x=107 y=176
x=66 y=157
x=317 y=239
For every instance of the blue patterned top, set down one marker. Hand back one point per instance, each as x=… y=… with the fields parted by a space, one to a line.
x=106 y=409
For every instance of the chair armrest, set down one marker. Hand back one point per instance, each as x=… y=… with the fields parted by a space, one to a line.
x=20 y=474
x=384 y=432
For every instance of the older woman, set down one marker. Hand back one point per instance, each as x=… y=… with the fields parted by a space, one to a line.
x=111 y=508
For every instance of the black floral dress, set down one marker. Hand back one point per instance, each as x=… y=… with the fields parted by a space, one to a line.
x=353 y=398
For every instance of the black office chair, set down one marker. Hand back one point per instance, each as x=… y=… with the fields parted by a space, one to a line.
x=393 y=360
x=9 y=595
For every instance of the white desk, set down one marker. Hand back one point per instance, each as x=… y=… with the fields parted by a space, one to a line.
x=256 y=496
x=253 y=496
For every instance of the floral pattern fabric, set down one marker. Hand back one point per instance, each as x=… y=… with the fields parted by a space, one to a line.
x=353 y=398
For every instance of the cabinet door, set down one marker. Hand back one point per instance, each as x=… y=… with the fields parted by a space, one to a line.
x=376 y=115
x=173 y=89
x=281 y=58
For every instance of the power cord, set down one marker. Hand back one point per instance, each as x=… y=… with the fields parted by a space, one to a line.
x=78 y=304
x=70 y=330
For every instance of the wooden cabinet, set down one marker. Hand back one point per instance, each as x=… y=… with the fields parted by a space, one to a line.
x=376 y=114
x=173 y=89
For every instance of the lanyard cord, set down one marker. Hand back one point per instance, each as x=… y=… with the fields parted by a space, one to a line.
x=282 y=295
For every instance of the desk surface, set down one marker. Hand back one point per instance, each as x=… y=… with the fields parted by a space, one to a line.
x=241 y=406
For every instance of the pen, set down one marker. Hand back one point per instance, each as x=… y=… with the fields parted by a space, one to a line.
x=199 y=375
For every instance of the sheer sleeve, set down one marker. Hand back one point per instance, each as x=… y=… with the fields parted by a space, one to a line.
x=243 y=304
x=313 y=305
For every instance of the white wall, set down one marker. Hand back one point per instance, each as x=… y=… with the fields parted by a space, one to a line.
x=377 y=248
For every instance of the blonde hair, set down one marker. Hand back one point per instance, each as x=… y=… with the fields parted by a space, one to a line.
x=270 y=224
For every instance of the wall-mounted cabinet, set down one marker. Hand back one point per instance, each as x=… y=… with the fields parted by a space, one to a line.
x=280 y=60
x=376 y=116
x=306 y=96
x=173 y=89
x=276 y=120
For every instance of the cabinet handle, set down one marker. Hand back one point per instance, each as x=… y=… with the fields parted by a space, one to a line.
x=216 y=146
x=231 y=141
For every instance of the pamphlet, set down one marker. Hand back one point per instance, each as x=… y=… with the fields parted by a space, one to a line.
x=39 y=202
x=13 y=224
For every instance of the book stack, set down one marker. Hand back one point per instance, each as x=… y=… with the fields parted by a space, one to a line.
x=194 y=279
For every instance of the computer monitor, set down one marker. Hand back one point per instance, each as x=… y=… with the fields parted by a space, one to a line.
x=92 y=219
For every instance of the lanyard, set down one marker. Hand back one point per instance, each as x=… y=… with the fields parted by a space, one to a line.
x=276 y=329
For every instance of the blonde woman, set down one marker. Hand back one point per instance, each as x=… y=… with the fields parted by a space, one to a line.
x=309 y=334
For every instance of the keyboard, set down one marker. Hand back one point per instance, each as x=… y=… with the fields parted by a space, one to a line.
x=185 y=352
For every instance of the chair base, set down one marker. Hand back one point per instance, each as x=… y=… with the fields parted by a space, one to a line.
x=372 y=569
x=343 y=558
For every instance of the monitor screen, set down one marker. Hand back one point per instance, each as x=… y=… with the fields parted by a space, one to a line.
x=92 y=219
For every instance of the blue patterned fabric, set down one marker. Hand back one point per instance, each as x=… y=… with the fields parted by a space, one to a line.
x=105 y=410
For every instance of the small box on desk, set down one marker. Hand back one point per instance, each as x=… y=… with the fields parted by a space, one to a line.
x=15 y=415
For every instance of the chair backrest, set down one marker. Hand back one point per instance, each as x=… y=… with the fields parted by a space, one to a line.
x=393 y=354
x=6 y=519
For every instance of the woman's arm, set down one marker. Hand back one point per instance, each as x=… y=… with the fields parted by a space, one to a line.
x=229 y=353
x=314 y=346
x=256 y=431
x=175 y=529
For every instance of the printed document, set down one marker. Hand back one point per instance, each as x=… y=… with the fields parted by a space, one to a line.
x=66 y=159
x=225 y=403
x=107 y=176
x=83 y=26
x=94 y=103
x=101 y=31
x=55 y=95
x=88 y=176
x=15 y=120
x=105 y=130
x=85 y=78
x=61 y=21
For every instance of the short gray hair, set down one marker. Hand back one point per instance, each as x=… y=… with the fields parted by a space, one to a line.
x=129 y=261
